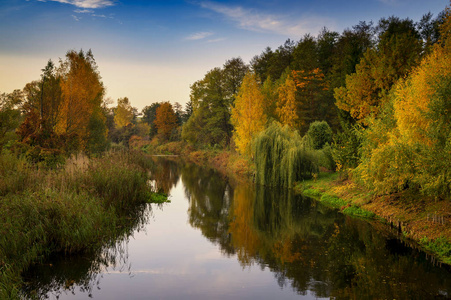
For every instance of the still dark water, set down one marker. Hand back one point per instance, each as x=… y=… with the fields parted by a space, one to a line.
x=217 y=240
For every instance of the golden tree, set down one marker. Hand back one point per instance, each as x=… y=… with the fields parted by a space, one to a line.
x=82 y=95
x=248 y=115
x=123 y=115
x=286 y=104
x=166 y=119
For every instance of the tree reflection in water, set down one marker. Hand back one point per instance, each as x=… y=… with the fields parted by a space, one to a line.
x=308 y=247
x=62 y=274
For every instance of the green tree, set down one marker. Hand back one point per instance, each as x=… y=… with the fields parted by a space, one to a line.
x=149 y=114
x=10 y=116
x=210 y=122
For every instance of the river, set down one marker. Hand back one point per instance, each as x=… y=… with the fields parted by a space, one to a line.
x=218 y=240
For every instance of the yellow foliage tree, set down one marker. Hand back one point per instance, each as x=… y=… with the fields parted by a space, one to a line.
x=410 y=144
x=82 y=95
x=286 y=103
x=248 y=115
x=166 y=119
x=123 y=114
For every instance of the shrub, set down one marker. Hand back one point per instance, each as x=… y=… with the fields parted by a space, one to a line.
x=319 y=134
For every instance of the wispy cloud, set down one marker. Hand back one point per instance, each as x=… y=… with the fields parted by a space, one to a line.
x=86 y=3
x=251 y=19
x=76 y=18
x=83 y=11
x=198 y=36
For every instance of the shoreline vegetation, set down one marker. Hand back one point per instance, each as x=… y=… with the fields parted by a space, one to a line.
x=77 y=207
x=409 y=214
x=359 y=120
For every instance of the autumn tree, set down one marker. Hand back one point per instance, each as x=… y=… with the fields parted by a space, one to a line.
x=409 y=145
x=82 y=91
x=398 y=50
x=248 y=115
x=123 y=114
x=286 y=103
x=166 y=119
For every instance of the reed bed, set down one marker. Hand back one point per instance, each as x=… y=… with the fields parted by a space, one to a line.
x=73 y=208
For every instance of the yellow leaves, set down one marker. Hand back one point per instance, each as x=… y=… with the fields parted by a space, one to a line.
x=82 y=93
x=248 y=115
x=166 y=119
x=413 y=96
x=123 y=114
x=286 y=104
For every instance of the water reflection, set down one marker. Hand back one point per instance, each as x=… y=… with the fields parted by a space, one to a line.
x=165 y=172
x=210 y=196
x=60 y=274
x=309 y=248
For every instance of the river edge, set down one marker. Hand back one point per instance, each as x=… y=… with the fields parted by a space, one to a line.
x=420 y=221
x=75 y=208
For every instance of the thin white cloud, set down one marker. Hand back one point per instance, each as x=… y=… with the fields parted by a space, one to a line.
x=83 y=11
x=99 y=16
x=198 y=36
x=253 y=20
x=76 y=18
x=86 y=3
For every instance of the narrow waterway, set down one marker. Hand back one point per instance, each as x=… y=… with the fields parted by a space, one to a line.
x=215 y=240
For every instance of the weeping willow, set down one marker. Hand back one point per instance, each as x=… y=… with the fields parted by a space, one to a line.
x=281 y=158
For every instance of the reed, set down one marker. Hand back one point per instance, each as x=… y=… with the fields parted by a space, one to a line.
x=74 y=208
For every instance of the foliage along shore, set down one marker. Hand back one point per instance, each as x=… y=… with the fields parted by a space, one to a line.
x=78 y=207
x=411 y=214
x=416 y=217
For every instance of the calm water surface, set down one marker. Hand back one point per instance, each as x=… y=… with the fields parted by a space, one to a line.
x=216 y=240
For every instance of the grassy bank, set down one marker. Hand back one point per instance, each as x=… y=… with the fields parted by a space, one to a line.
x=74 y=208
x=418 y=218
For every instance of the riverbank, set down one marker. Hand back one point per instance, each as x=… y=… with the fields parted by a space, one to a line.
x=227 y=162
x=75 y=208
x=418 y=218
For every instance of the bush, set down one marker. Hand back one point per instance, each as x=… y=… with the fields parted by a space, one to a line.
x=319 y=134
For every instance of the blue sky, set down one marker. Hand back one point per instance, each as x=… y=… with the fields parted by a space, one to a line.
x=153 y=51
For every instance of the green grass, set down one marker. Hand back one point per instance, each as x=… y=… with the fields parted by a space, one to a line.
x=318 y=188
x=332 y=201
x=159 y=198
x=441 y=247
x=356 y=211
x=75 y=208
